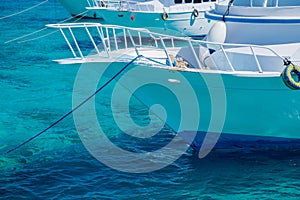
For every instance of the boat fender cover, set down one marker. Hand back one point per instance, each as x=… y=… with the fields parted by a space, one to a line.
x=291 y=76
x=217 y=33
x=195 y=13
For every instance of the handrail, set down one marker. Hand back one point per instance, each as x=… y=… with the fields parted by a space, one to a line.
x=264 y=3
x=111 y=42
x=227 y=59
x=88 y=2
x=195 y=55
x=135 y=5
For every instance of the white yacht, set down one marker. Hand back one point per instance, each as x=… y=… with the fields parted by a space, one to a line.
x=259 y=21
x=173 y=17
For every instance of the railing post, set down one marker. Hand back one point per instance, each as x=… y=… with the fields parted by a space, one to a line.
x=70 y=46
x=101 y=34
x=256 y=60
x=88 y=32
x=155 y=41
x=88 y=3
x=133 y=43
x=166 y=52
x=107 y=38
x=195 y=55
x=76 y=42
x=227 y=59
x=140 y=39
x=115 y=39
x=125 y=38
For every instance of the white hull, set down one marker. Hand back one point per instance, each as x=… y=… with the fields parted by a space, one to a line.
x=77 y=8
x=259 y=25
x=276 y=34
x=182 y=19
x=180 y=24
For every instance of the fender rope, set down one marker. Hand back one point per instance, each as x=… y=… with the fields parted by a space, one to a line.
x=227 y=11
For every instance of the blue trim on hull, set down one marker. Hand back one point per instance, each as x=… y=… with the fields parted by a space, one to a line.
x=228 y=140
x=218 y=17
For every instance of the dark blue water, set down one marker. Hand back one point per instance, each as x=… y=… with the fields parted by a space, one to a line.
x=36 y=91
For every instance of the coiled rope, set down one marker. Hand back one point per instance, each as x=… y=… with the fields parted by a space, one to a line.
x=74 y=109
x=22 y=11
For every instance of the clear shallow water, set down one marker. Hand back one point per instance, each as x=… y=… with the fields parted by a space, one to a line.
x=36 y=91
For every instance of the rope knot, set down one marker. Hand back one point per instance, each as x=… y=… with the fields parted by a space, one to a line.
x=286 y=62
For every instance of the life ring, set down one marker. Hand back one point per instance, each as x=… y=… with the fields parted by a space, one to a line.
x=195 y=13
x=288 y=76
x=164 y=16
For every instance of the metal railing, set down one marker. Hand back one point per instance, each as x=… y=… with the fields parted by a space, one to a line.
x=113 y=4
x=265 y=3
x=107 y=39
x=134 y=5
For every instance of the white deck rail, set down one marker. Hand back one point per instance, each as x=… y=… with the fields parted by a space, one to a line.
x=265 y=3
x=113 y=4
x=108 y=39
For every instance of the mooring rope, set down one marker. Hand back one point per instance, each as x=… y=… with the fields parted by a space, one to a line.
x=22 y=11
x=74 y=109
x=32 y=33
x=42 y=36
x=227 y=11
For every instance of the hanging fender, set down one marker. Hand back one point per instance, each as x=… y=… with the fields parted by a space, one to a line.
x=291 y=76
x=164 y=15
x=195 y=13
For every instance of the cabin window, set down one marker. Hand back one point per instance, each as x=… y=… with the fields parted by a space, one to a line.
x=188 y=1
x=178 y=1
x=197 y=1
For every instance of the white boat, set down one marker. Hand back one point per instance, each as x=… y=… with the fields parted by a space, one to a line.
x=259 y=21
x=211 y=87
x=178 y=17
x=77 y=8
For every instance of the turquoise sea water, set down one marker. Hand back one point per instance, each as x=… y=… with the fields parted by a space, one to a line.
x=36 y=91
